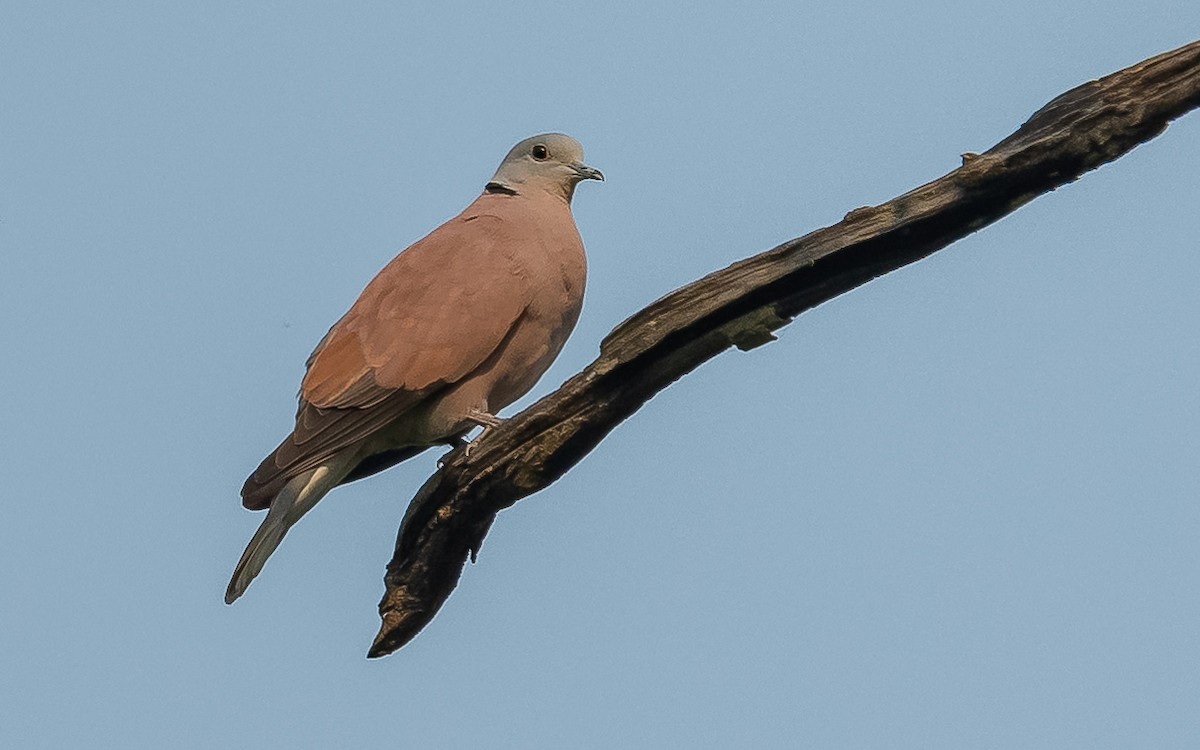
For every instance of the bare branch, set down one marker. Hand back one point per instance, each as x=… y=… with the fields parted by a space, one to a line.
x=741 y=305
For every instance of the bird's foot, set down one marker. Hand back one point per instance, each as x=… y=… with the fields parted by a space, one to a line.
x=485 y=420
x=479 y=417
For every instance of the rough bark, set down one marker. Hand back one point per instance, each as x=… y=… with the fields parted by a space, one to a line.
x=741 y=305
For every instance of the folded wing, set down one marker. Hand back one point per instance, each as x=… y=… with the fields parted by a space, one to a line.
x=433 y=315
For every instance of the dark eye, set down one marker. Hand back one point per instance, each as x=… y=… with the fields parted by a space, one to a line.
x=540 y=152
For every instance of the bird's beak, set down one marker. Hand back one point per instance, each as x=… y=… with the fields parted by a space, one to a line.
x=585 y=172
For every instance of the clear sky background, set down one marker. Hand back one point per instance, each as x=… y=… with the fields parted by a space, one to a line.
x=954 y=508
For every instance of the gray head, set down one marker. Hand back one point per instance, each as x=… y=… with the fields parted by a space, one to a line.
x=552 y=162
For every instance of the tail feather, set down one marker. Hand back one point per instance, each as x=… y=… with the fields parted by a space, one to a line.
x=296 y=498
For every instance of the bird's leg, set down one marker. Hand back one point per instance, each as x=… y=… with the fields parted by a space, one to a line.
x=484 y=420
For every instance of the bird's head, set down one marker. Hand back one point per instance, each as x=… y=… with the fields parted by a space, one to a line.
x=552 y=162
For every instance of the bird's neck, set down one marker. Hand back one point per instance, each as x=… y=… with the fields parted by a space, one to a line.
x=563 y=192
x=499 y=188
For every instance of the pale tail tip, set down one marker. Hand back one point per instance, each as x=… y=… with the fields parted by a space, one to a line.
x=232 y=593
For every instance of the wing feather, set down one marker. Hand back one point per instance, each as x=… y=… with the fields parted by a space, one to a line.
x=433 y=315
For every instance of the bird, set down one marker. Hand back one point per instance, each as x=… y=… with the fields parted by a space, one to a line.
x=453 y=329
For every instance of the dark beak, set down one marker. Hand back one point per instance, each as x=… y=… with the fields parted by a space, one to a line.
x=587 y=173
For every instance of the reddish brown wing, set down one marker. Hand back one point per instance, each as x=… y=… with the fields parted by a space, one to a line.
x=429 y=318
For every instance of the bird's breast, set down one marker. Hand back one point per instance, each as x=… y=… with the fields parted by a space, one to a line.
x=550 y=263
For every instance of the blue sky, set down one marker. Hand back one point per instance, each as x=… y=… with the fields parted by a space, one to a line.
x=954 y=508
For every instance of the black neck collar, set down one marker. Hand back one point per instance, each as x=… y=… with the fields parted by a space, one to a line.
x=500 y=188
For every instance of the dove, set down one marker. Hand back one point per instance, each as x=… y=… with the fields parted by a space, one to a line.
x=456 y=327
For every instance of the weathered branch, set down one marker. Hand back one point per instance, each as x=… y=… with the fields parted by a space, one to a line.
x=742 y=304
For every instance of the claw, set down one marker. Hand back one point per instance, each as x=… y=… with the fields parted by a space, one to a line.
x=485 y=420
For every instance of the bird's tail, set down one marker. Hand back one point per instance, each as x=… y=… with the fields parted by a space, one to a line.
x=296 y=498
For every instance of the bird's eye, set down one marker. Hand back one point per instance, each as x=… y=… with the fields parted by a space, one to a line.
x=540 y=152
